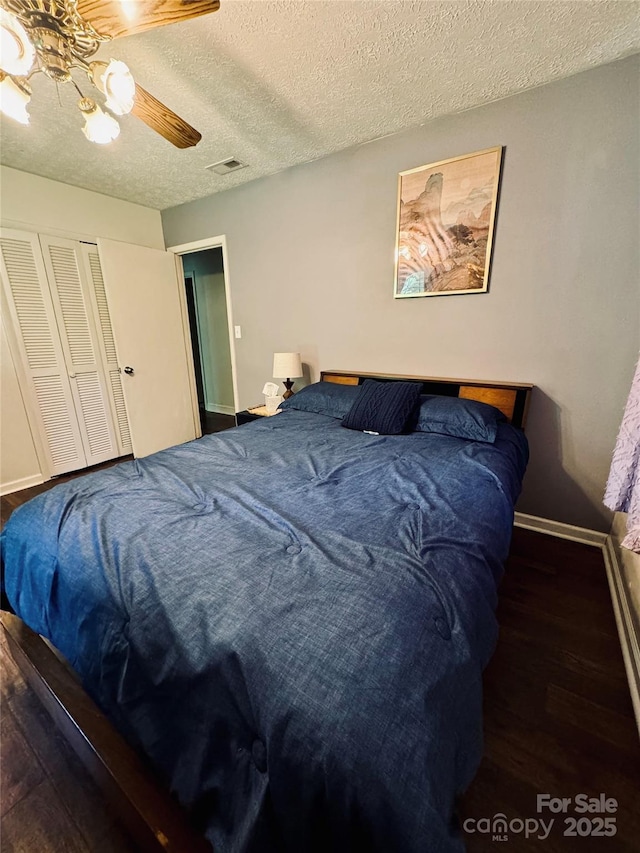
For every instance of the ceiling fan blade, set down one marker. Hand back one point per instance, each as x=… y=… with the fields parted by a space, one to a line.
x=117 y=18
x=163 y=120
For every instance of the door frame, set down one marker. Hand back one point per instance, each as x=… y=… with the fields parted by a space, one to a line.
x=196 y=367
x=219 y=242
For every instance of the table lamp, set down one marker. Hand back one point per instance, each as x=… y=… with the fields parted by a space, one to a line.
x=287 y=365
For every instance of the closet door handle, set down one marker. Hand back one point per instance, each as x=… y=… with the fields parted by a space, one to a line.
x=129 y=371
x=72 y=376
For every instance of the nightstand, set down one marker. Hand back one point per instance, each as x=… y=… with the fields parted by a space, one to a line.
x=253 y=414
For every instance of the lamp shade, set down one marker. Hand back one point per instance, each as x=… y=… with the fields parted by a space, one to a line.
x=286 y=365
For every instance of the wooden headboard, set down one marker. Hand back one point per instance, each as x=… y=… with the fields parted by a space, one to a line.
x=512 y=398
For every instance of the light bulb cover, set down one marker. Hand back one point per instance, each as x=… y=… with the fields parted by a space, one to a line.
x=99 y=126
x=116 y=83
x=14 y=97
x=17 y=53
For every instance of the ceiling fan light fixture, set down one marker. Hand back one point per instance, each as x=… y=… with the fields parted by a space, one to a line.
x=116 y=83
x=58 y=37
x=17 y=54
x=14 y=98
x=99 y=126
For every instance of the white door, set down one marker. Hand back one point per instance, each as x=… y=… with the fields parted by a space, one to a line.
x=70 y=294
x=34 y=335
x=148 y=316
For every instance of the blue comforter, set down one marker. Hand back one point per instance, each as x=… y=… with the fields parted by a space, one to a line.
x=289 y=618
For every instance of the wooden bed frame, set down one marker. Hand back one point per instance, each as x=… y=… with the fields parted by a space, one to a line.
x=154 y=818
x=512 y=398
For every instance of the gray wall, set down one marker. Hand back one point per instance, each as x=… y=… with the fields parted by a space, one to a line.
x=207 y=267
x=310 y=255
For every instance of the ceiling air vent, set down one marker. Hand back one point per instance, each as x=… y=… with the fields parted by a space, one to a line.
x=223 y=167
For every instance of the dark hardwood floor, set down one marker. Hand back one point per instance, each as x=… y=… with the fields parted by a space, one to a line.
x=558 y=716
x=558 y=720
x=214 y=422
x=48 y=802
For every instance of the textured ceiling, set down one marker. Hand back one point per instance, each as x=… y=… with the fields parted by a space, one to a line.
x=280 y=82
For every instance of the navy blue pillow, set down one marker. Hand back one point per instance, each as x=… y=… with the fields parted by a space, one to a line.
x=385 y=408
x=323 y=398
x=459 y=418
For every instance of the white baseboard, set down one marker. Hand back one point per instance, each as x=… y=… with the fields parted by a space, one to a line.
x=221 y=410
x=24 y=483
x=560 y=529
x=627 y=630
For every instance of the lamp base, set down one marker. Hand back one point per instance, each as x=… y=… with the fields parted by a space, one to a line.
x=288 y=384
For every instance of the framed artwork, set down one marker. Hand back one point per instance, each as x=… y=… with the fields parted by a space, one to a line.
x=446 y=218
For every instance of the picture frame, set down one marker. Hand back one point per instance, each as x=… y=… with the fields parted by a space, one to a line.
x=445 y=225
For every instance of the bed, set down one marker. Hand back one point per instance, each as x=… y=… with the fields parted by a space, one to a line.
x=288 y=620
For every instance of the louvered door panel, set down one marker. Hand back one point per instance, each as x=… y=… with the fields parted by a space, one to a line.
x=96 y=424
x=45 y=384
x=71 y=298
x=33 y=319
x=58 y=426
x=101 y=302
x=121 y=411
x=64 y=267
x=107 y=345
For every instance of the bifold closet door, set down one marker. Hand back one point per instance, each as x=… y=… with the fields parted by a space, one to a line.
x=70 y=292
x=107 y=345
x=33 y=331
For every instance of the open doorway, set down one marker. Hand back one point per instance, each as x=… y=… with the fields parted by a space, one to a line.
x=207 y=304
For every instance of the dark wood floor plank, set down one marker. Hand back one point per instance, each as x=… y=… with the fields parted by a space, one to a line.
x=526 y=665
x=573 y=765
x=19 y=770
x=150 y=813
x=211 y=422
x=578 y=604
x=12 y=681
x=48 y=755
x=554 y=634
x=65 y=771
x=40 y=823
x=615 y=729
x=558 y=714
x=555 y=552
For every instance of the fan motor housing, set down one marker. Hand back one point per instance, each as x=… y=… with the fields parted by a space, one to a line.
x=52 y=47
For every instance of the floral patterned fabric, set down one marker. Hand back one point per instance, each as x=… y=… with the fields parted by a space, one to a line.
x=623 y=487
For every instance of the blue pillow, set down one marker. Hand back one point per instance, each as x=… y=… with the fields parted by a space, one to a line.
x=459 y=418
x=323 y=398
x=385 y=408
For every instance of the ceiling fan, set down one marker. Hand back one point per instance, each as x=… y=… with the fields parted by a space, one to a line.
x=55 y=37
